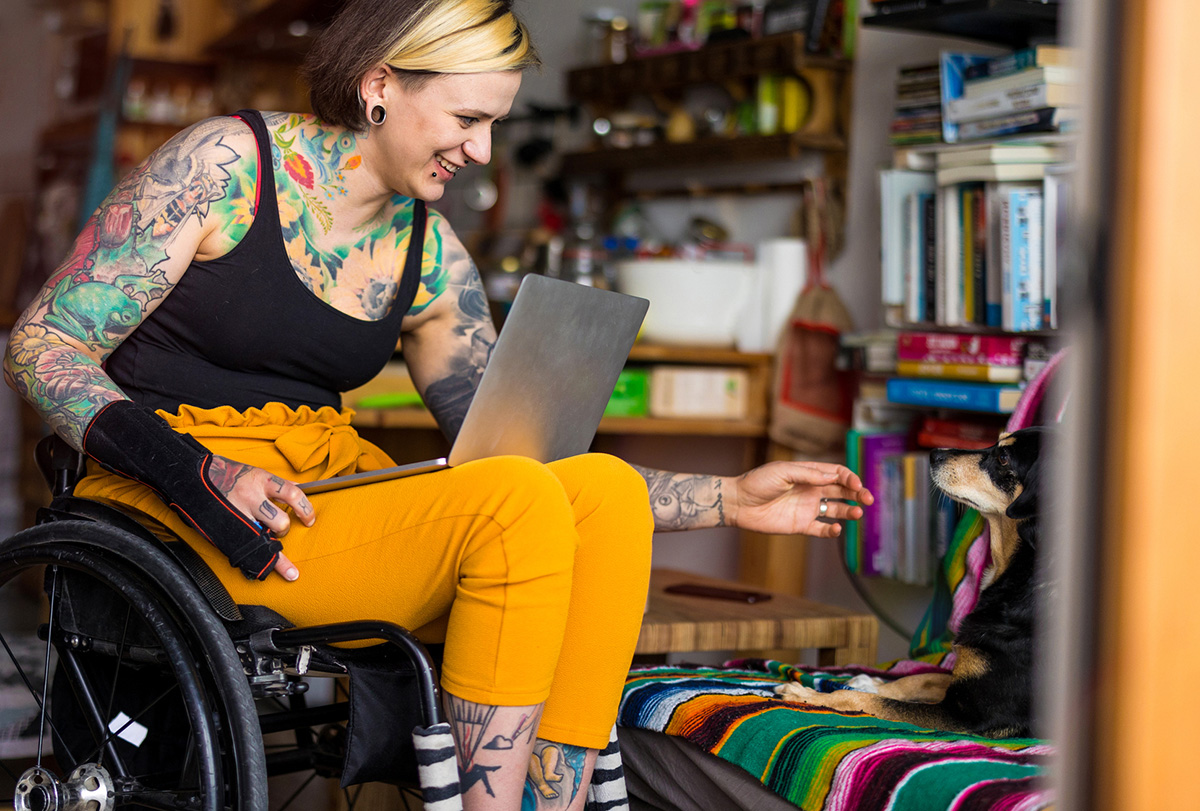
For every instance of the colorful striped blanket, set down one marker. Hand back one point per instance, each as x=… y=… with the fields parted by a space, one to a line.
x=822 y=760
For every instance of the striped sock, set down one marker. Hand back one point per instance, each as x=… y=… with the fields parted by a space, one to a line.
x=607 y=790
x=437 y=768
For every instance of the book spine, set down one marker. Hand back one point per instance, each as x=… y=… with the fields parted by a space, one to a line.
x=950 y=277
x=962 y=428
x=1043 y=119
x=979 y=253
x=929 y=439
x=992 y=204
x=952 y=67
x=981 y=372
x=929 y=255
x=1056 y=207
x=1006 y=262
x=967 y=253
x=1001 y=102
x=875 y=448
x=1026 y=260
x=951 y=347
x=914 y=270
x=986 y=397
x=912 y=530
x=1003 y=65
x=853 y=537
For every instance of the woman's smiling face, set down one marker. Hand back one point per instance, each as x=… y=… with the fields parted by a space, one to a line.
x=437 y=128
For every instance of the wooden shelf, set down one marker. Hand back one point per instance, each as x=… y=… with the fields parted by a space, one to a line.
x=716 y=64
x=1004 y=22
x=754 y=426
x=706 y=152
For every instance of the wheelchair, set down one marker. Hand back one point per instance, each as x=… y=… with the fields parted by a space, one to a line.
x=145 y=685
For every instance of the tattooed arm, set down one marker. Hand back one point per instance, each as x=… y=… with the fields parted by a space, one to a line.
x=191 y=199
x=448 y=334
x=129 y=256
x=780 y=498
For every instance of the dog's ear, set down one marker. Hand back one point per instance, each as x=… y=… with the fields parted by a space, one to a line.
x=1026 y=504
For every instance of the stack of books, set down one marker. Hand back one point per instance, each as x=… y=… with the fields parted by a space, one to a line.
x=918 y=111
x=906 y=532
x=975 y=241
x=965 y=371
x=1034 y=90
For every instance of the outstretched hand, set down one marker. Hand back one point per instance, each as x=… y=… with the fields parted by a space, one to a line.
x=785 y=498
x=255 y=492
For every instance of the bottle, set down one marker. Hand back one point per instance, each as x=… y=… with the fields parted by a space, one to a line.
x=583 y=258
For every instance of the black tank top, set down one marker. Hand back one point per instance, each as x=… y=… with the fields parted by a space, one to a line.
x=243 y=330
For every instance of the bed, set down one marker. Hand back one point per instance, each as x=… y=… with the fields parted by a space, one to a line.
x=718 y=739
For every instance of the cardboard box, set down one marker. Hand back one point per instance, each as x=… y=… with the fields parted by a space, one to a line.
x=699 y=392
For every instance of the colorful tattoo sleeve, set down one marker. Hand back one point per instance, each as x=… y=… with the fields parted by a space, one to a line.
x=127 y=258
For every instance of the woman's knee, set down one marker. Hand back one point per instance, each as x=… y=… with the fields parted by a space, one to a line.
x=529 y=508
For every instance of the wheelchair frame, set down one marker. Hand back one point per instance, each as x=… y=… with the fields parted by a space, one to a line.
x=180 y=624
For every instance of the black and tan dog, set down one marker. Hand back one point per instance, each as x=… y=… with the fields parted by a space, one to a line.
x=990 y=689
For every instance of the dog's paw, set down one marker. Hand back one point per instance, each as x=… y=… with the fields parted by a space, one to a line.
x=864 y=683
x=795 y=691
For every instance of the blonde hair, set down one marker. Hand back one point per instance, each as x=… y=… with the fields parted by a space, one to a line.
x=417 y=39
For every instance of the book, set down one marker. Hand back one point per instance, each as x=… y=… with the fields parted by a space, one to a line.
x=977 y=155
x=929 y=254
x=949 y=282
x=958 y=347
x=1025 y=277
x=874 y=449
x=1036 y=57
x=852 y=539
x=1056 y=210
x=952 y=66
x=981 y=430
x=1005 y=172
x=1026 y=97
x=978 y=249
x=994 y=398
x=967 y=254
x=1050 y=74
x=914 y=259
x=896 y=187
x=929 y=439
x=1043 y=119
x=985 y=372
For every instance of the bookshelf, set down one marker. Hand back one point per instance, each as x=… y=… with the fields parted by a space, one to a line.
x=1014 y=23
x=969 y=234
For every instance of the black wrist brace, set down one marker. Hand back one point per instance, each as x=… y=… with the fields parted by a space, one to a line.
x=131 y=440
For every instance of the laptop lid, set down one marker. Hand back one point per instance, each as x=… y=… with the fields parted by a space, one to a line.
x=551 y=373
x=544 y=389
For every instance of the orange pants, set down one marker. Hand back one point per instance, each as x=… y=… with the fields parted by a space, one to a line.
x=535 y=576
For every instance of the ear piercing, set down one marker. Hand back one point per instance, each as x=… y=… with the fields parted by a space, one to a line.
x=378 y=114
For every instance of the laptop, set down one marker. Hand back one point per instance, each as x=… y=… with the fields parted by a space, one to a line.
x=543 y=392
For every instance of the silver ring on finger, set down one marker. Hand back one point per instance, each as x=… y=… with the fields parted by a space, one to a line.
x=823 y=509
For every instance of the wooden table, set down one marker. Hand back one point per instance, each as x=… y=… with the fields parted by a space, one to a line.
x=679 y=624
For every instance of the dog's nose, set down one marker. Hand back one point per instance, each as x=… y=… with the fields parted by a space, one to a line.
x=938 y=457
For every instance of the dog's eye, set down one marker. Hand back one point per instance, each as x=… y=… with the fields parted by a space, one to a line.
x=1002 y=458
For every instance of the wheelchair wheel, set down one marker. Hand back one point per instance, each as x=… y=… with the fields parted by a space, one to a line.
x=124 y=688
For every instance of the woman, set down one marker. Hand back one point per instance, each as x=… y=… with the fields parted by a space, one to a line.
x=258 y=265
